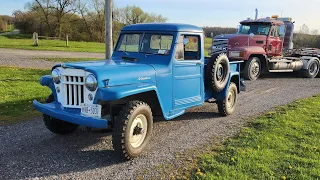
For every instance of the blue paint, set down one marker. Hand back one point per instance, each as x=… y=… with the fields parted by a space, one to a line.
x=178 y=84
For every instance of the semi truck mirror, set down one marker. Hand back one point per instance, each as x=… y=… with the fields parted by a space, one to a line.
x=211 y=34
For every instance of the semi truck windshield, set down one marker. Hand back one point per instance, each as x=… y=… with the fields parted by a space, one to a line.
x=256 y=29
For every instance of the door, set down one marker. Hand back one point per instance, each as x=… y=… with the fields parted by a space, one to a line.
x=274 y=43
x=187 y=69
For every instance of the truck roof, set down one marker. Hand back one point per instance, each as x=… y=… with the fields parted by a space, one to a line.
x=163 y=27
x=263 y=20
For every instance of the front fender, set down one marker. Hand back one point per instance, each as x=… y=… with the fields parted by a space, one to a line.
x=47 y=81
x=118 y=92
x=249 y=50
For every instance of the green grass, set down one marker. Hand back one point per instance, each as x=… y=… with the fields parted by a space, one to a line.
x=18 y=88
x=54 y=59
x=24 y=41
x=282 y=144
x=51 y=45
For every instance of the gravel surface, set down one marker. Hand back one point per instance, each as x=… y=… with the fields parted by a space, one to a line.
x=21 y=58
x=29 y=150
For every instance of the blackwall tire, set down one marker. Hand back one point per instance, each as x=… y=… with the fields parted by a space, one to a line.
x=252 y=69
x=59 y=127
x=132 y=129
x=227 y=106
x=312 y=71
x=218 y=72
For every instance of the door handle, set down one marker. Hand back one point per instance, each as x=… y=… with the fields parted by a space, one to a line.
x=199 y=63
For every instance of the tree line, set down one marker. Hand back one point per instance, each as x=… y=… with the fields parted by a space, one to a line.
x=82 y=20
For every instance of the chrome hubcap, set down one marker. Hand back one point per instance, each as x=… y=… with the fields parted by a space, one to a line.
x=255 y=68
x=138 y=130
x=313 y=69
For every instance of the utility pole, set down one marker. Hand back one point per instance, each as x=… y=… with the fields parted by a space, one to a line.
x=108 y=13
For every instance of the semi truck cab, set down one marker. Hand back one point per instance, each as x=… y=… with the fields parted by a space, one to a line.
x=266 y=46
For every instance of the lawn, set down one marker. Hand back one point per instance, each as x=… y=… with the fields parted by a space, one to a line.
x=54 y=59
x=18 y=42
x=22 y=41
x=282 y=144
x=18 y=88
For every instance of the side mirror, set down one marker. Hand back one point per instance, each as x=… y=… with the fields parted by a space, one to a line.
x=211 y=34
x=251 y=35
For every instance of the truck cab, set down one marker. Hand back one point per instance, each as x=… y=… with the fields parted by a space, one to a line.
x=266 y=46
x=155 y=69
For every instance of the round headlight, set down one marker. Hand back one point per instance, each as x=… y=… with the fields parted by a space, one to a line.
x=55 y=74
x=91 y=82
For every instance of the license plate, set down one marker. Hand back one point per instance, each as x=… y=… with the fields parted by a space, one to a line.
x=93 y=110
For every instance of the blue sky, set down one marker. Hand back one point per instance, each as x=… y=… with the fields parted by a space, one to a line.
x=225 y=13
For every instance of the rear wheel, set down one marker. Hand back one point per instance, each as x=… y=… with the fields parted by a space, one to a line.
x=228 y=105
x=57 y=126
x=312 y=71
x=132 y=129
x=252 y=69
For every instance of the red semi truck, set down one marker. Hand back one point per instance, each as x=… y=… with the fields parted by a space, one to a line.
x=266 y=45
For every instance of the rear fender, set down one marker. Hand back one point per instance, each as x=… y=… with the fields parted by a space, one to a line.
x=307 y=60
x=235 y=78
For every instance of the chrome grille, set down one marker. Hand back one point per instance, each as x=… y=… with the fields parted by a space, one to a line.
x=74 y=90
x=219 y=46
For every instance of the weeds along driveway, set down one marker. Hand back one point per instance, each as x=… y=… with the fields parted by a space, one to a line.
x=29 y=150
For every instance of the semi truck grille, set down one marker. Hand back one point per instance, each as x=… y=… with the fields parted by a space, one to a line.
x=219 y=46
x=74 y=90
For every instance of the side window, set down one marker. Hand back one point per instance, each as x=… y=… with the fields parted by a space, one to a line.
x=275 y=32
x=188 y=48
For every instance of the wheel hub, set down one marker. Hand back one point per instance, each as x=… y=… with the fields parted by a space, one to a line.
x=138 y=130
x=220 y=72
x=255 y=68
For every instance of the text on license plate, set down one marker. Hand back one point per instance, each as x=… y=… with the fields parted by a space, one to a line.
x=93 y=110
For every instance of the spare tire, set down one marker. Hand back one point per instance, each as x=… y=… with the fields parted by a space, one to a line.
x=218 y=72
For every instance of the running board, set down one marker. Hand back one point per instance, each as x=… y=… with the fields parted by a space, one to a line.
x=282 y=70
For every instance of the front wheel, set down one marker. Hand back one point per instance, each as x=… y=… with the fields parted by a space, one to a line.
x=252 y=69
x=59 y=127
x=228 y=105
x=132 y=129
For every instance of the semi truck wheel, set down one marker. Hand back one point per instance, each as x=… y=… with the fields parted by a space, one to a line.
x=312 y=71
x=228 y=105
x=57 y=126
x=252 y=69
x=132 y=129
x=218 y=72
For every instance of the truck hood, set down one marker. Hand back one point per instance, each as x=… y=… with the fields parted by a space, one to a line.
x=239 y=40
x=116 y=72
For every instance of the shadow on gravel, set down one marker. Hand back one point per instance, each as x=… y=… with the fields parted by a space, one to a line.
x=81 y=151
x=280 y=75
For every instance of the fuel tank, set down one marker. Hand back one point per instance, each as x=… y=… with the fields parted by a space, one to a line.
x=286 y=64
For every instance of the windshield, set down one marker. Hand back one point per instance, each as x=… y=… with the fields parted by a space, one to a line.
x=150 y=44
x=256 y=29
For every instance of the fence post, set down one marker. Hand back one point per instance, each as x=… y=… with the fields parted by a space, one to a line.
x=35 y=39
x=67 y=40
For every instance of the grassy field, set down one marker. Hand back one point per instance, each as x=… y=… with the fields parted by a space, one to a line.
x=22 y=41
x=51 y=45
x=18 y=88
x=54 y=59
x=282 y=144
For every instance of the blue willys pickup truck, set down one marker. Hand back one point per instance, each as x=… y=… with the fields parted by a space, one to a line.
x=155 y=69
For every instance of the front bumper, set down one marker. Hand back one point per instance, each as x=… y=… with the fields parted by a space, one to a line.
x=71 y=115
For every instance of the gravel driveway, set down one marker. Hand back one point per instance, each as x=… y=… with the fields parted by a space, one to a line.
x=29 y=150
